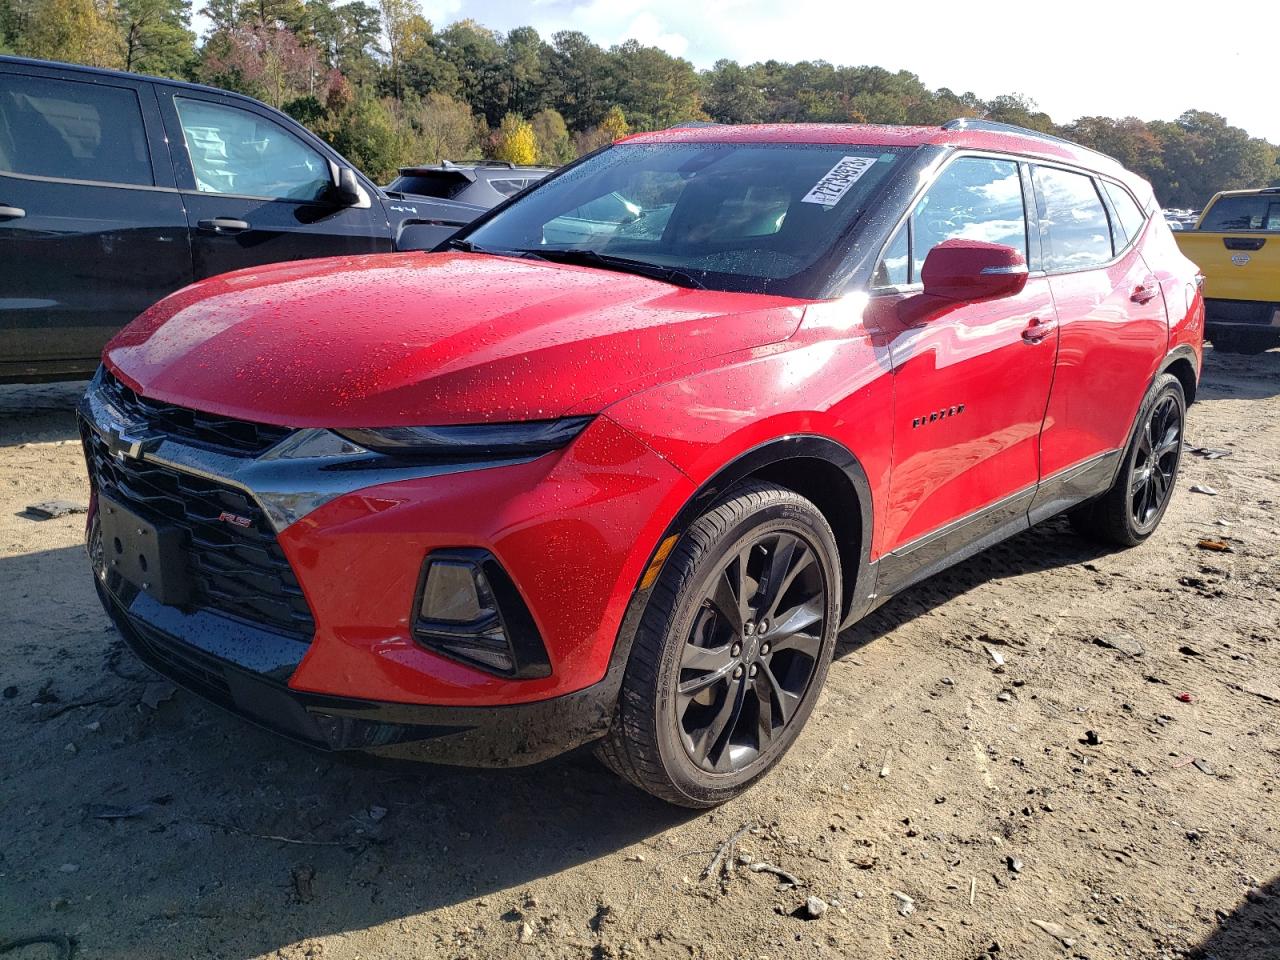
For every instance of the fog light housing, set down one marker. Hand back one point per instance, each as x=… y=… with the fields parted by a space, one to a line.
x=469 y=609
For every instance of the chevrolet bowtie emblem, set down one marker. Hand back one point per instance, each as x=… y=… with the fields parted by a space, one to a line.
x=125 y=444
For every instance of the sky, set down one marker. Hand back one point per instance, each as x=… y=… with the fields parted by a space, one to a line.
x=1074 y=58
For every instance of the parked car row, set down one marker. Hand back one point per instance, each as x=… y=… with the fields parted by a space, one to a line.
x=116 y=190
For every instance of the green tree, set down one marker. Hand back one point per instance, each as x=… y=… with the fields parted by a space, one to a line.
x=552 y=137
x=78 y=31
x=581 y=79
x=446 y=129
x=515 y=141
x=156 y=37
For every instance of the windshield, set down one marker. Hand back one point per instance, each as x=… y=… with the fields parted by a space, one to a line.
x=751 y=217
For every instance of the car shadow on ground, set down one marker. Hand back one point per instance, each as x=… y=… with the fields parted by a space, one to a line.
x=1047 y=546
x=248 y=843
x=1250 y=932
x=39 y=412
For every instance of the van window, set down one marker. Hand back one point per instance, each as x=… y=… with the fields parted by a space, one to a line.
x=72 y=131
x=238 y=152
x=1073 y=220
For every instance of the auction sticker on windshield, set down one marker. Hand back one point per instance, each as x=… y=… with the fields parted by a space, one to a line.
x=838 y=180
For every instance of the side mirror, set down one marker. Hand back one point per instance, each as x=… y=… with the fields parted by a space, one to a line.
x=346 y=188
x=966 y=271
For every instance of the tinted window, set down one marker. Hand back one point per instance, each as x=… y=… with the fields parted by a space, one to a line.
x=1130 y=215
x=508 y=188
x=1257 y=212
x=1073 y=220
x=975 y=199
x=75 y=131
x=443 y=185
x=733 y=216
x=235 y=151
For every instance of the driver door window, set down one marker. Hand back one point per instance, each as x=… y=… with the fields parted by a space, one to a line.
x=237 y=152
x=975 y=198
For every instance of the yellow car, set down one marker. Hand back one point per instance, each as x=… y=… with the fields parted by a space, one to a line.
x=1236 y=245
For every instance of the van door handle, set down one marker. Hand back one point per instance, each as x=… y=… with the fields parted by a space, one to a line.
x=1145 y=292
x=223 y=225
x=1037 y=330
x=12 y=213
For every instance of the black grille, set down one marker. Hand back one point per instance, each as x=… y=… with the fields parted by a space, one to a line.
x=235 y=570
x=205 y=430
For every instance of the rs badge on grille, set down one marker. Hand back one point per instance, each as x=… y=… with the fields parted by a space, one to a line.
x=235 y=519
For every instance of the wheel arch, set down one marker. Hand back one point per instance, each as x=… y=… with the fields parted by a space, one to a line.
x=1182 y=363
x=818 y=468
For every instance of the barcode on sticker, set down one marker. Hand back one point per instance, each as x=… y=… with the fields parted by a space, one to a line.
x=838 y=180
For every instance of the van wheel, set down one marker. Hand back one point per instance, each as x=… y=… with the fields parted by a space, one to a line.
x=1131 y=510
x=731 y=651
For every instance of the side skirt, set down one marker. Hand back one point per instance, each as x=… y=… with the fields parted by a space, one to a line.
x=963 y=538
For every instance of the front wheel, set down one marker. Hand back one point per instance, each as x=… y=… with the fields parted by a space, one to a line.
x=731 y=651
x=1131 y=510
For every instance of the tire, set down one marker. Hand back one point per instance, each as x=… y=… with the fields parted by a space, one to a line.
x=698 y=662
x=1130 y=511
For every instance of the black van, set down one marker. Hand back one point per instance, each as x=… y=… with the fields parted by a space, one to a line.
x=117 y=189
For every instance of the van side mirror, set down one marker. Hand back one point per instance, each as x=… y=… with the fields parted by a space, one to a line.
x=346 y=188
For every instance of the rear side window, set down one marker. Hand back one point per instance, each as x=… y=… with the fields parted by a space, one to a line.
x=508 y=188
x=1073 y=220
x=1230 y=214
x=443 y=186
x=1127 y=211
x=238 y=152
x=72 y=131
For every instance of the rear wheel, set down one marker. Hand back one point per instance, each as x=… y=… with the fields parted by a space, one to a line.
x=1132 y=509
x=731 y=651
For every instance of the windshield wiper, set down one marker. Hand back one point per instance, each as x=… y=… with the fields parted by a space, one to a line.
x=605 y=261
x=466 y=246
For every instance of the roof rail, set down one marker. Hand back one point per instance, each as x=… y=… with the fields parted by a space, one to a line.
x=995 y=126
x=505 y=164
x=686 y=124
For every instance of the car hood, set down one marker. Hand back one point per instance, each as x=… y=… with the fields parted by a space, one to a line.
x=429 y=339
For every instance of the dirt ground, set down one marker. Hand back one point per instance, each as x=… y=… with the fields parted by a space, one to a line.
x=942 y=805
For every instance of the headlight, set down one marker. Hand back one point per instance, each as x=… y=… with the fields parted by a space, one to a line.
x=527 y=438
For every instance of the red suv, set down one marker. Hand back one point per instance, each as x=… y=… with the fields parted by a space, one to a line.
x=620 y=463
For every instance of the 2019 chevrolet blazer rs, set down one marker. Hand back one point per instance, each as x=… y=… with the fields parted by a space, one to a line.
x=553 y=485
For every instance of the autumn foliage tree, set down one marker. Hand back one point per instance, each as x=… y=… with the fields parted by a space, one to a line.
x=413 y=92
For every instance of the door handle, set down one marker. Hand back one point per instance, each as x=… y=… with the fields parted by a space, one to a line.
x=1038 y=329
x=223 y=225
x=1145 y=292
x=11 y=213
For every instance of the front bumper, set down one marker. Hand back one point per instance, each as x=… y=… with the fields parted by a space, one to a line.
x=245 y=670
x=573 y=529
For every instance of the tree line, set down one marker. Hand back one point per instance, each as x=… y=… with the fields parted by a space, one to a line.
x=386 y=88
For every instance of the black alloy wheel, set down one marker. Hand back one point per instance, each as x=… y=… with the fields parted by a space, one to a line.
x=1156 y=464
x=732 y=648
x=752 y=652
